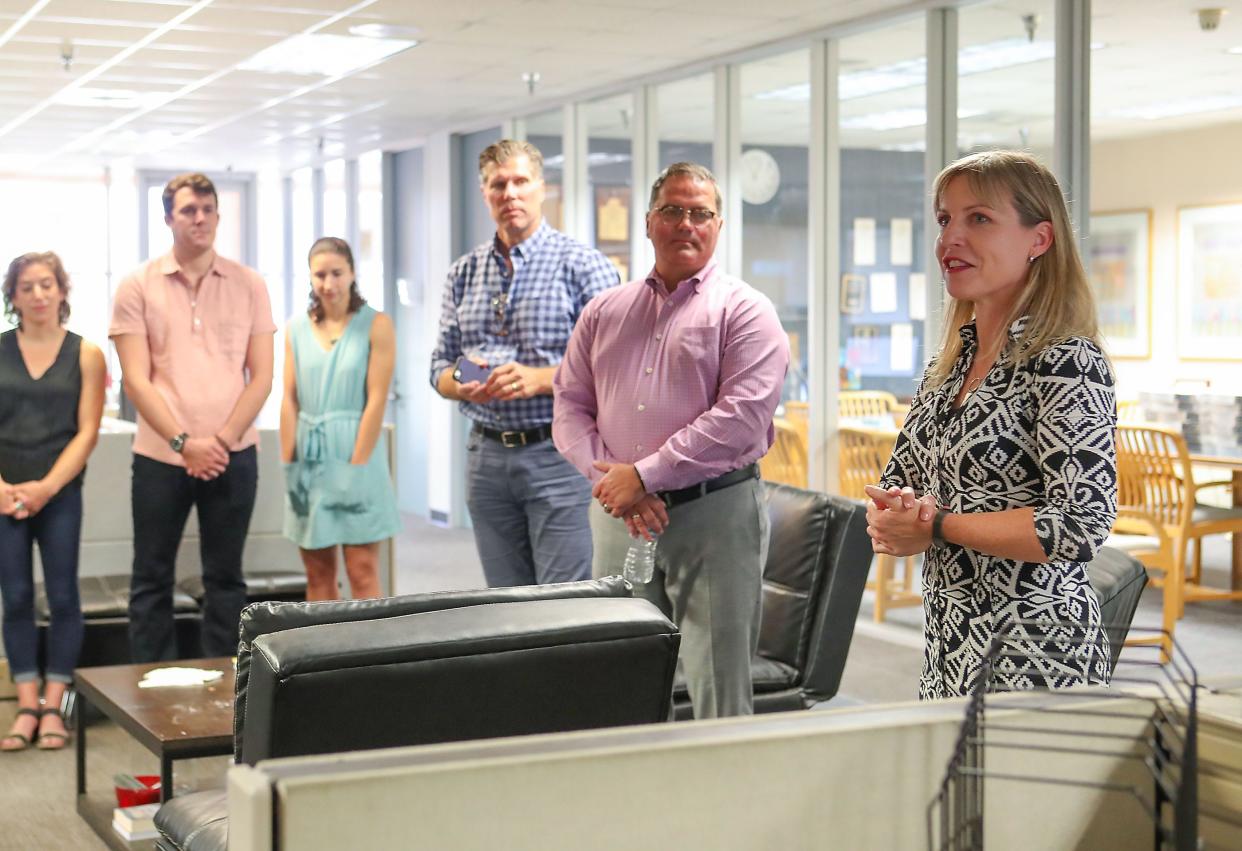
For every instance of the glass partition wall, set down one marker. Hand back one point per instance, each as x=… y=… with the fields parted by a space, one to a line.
x=882 y=221
x=609 y=127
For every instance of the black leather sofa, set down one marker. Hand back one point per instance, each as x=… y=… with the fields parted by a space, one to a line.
x=328 y=677
x=818 y=558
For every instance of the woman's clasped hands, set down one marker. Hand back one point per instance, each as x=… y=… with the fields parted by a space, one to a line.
x=898 y=521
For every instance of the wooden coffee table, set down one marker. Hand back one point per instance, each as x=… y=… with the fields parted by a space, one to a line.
x=172 y=722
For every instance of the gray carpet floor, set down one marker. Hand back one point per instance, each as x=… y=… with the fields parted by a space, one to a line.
x=37 y=801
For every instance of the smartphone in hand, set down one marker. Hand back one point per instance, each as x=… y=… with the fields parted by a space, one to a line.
x=467 y=370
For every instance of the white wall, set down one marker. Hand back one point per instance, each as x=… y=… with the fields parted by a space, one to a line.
x=1162 y=173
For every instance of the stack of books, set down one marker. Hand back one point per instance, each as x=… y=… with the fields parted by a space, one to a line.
x=1210 y=422
x=135 y=822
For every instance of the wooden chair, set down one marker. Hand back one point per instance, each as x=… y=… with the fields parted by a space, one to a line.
x=857 y=404
x=1156 y=489
x=786 y=461
x=863 y=456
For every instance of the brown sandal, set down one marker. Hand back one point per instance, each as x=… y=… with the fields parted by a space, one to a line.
x=51 y=740
x=23 y=742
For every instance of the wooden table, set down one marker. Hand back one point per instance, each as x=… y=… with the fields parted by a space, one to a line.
x=1233 y=464
x=172 y=722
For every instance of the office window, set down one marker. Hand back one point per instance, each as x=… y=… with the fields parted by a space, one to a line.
x=1005 y=93
x=546 y=132
x=609 y=193
x=776 y=132
x=69 y=216
x=686 y=121
x=334 y=200
x=271 y=248
x=369 y=252
x=303 y=234
x=882 y=92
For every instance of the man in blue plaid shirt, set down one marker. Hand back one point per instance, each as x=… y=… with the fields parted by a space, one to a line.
x=509 y=307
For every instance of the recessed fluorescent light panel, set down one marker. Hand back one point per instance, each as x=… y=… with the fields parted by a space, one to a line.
x=319 y=54
x=897 y=119
x=975 y=59
x=1182 y=106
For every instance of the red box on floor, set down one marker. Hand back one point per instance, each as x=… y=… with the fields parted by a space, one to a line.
x=134 y=797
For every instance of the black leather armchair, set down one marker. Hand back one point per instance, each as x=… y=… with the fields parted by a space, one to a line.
x=1118 y=580
x=818 y=558
x=342 y=676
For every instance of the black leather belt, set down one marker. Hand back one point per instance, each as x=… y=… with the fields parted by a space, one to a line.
x=678 y=497
x=514 y=439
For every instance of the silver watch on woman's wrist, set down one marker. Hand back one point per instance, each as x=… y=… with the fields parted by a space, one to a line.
x=178 y=443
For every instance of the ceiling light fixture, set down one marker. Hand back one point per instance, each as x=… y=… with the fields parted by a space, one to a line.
x=320 y=54
x=908 y=73
x=898 y=119
x=1176 y=108
x=1237 y=51
x=385 y=31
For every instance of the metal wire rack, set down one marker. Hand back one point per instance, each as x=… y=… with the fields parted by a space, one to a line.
x=1162 y=684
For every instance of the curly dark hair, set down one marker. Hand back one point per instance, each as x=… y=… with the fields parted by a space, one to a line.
x=333 y=245
x=19 y=265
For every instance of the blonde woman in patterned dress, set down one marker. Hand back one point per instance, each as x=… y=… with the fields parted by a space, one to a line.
x=1005 y=473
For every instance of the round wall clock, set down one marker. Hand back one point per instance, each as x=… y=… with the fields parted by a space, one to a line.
x=761 y=176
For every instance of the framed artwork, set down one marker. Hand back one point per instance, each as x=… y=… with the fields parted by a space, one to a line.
x=612 y=214
x=853 y=293
x=1119 y=266
x=1209 y=285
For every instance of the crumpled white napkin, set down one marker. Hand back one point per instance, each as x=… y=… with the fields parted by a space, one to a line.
x=179 y=677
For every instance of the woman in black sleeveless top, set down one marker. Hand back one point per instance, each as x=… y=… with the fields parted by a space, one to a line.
x=51 y=400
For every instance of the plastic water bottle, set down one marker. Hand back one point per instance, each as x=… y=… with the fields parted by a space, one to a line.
x=639 y=561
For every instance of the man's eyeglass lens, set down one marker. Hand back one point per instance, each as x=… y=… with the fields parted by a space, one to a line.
x=672 y=214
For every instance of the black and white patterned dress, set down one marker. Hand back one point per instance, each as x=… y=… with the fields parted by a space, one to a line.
x=1038 y=434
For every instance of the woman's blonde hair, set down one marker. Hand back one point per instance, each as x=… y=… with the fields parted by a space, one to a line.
x=1057 y=296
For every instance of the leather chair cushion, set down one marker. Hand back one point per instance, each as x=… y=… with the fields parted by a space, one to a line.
x=107 y=597
x=263 y=618
x=766 y=675
x=500 y=669
x=260 y=585
x=198 y=821
x=1118 y=580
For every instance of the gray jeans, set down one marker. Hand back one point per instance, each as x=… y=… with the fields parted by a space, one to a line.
x=708 y=575
x=529 y=510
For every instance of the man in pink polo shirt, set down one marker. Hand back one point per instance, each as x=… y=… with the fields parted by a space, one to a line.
x=664 y=400
x=193 y=331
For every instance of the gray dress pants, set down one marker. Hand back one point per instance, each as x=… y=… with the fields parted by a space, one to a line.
x=709 y=567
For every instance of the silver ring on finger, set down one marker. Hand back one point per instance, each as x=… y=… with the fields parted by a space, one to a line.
x=636 y=517
x=606 y=506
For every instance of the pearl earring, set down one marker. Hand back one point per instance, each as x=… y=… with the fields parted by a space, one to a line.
x=1031 y=259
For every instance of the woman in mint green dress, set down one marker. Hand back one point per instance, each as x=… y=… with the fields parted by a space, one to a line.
x=338 y=365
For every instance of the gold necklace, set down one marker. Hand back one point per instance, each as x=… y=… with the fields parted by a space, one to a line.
x=972 y=387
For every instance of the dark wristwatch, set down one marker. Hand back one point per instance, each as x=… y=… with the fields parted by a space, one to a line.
x=178 y=443
x=938 y=525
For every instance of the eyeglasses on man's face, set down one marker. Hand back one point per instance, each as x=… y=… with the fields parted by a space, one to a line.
x=671 y=214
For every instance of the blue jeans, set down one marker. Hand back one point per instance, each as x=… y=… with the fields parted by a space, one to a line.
x=163 y=495
x=529 y=510
x=57 y=529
